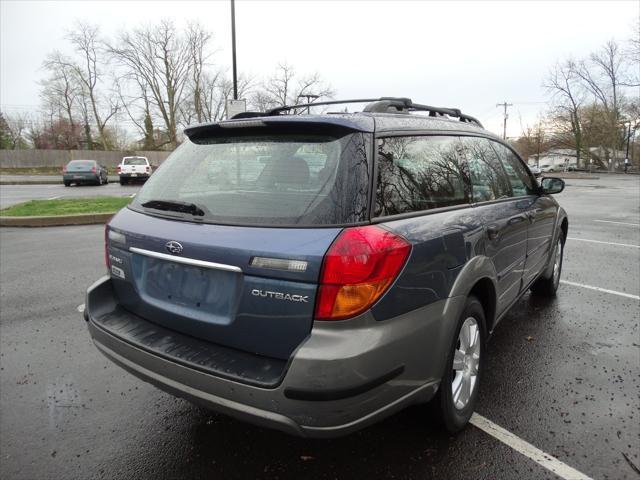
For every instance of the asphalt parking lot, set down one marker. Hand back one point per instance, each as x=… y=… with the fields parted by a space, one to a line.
x=562 y=374
x=12 y=194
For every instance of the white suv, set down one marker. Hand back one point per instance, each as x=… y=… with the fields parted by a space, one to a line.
x=134 y=168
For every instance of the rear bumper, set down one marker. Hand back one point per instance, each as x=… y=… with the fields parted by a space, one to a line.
x=80 y=177
x=136 y=175
x=346 y=375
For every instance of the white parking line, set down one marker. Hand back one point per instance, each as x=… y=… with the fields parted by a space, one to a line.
x=618 y=223
x=543 y=459
x=574 y=239
x=603 y=290
x=53 y=198
x=80 y=308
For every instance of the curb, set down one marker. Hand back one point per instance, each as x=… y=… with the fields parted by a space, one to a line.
x=25 y=182
x=112 y=179
x=57 y=220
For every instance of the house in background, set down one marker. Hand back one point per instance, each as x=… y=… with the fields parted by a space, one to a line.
x=558 y=157
x=566 y=157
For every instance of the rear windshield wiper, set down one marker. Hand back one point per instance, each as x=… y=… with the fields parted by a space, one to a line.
x=175 y=206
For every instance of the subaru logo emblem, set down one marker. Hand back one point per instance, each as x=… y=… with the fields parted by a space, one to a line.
x=173 y=247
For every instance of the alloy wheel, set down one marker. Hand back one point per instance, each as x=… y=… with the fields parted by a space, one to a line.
x=466 y=363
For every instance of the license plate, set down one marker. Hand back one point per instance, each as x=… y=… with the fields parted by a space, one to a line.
x=134 y=174
x=78 y=176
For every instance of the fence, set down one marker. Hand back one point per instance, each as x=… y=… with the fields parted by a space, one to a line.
x=58 y=158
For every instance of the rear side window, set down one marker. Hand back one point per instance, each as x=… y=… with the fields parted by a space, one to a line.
x=302 y=180
x=517 y=172
x=420 y=173
x=488 y=178
x=134 y=161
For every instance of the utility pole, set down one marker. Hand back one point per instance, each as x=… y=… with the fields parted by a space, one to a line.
x=504 y=128
x=310 y=98
x=233 y=49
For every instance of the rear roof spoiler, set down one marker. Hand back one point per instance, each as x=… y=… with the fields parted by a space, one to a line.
x=302 y=123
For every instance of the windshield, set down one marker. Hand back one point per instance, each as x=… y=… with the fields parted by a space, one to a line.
x=80 y=165
x=297 y=180
x=134 y=161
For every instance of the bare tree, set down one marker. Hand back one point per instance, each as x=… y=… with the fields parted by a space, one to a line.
x=160 y=57
x=198 y=40
x=16 y=130
x=86 y=42
x=564 y=87
x=284 y=88
x=603 y=74
x=60 y=91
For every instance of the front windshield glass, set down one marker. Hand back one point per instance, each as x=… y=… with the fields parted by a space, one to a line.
x=266 y=180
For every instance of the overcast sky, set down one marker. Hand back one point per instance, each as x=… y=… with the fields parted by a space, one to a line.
x=469 y=55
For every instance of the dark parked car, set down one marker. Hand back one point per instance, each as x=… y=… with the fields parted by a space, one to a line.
x=84 y=172
x=333 y=269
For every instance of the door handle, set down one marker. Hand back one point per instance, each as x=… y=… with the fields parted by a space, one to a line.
x=517 y=219
x=493 y=232
x=533 y=213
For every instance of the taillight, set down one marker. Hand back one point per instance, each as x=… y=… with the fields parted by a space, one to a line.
x=148 y=169
x=107 y=262
x=358 y=268
x=118 y=168
x=64 y=169
x=93 y=170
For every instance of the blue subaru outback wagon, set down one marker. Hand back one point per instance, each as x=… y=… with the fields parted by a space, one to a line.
x=315 y=273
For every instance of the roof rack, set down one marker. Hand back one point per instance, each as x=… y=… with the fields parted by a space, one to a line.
x=375 y=105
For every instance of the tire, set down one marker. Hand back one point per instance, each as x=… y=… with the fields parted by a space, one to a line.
x=455 y=409
x=548 y=283
x=67 y=184
x=123 y=181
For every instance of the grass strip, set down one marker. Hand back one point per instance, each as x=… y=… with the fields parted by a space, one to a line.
x=66 y=206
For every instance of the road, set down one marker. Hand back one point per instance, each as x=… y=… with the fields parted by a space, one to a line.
x=12 y=194
x=562 y=374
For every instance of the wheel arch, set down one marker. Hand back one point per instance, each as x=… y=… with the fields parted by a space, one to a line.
x=478 y=277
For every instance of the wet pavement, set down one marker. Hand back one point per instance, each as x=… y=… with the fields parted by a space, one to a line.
x=12 y=194
x=562 y=374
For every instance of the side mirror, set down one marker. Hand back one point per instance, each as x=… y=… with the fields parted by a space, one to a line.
x=551 y=185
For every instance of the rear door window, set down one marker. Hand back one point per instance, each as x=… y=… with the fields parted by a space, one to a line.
x=418 y=173
x=488 y=179
x=303 y=180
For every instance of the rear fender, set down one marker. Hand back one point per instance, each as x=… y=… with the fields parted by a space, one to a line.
x=478 y=268
x=557 y=231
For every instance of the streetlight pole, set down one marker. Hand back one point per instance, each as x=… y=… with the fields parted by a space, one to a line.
x=233 y=49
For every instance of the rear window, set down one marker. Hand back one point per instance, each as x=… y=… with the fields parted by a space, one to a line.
x=134 y=161
x=80 y=165
x=420 y=173
x=302 y=180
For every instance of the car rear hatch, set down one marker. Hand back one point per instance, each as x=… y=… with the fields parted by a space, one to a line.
x=134 y=166
x=81 y=169
x=225 y=242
